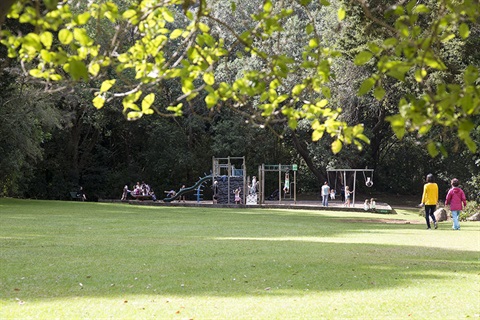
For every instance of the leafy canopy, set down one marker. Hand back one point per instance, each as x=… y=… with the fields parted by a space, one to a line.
x=175 y=41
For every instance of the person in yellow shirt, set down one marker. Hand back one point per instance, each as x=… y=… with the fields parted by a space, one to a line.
x=430 y=200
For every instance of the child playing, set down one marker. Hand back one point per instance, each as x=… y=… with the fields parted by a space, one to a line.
x=366 y=205
x=348 y=195
x=332 y=194
x=238 y=200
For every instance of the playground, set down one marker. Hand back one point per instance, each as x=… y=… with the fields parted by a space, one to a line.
x=231 y=187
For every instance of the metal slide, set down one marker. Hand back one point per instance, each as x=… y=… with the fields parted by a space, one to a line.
x=185 y=190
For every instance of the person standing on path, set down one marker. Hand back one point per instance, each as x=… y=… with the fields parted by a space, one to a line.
x=325 y=194
x=430 y=200
x=457 y=201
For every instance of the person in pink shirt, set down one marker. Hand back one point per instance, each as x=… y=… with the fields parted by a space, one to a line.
x=457 y=201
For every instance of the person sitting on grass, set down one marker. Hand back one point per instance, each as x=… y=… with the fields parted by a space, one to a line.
x=366 y=205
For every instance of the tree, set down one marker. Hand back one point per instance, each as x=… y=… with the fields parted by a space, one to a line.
x=62 y=47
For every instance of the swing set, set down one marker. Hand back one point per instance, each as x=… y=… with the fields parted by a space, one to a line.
x=367 y=175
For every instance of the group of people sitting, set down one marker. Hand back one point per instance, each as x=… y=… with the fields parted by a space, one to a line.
x=369 y=204
x=140 y=189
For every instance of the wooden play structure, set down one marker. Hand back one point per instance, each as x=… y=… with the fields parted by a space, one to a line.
x=284 y=171
x=229 y=174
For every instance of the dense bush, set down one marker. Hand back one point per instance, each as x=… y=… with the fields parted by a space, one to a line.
x=471 y=208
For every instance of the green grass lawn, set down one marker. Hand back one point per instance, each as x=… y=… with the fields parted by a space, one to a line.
x=73 y=260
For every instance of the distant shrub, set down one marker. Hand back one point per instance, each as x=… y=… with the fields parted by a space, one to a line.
x=471 y=208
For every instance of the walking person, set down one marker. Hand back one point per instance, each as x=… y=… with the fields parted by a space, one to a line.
x=457 y=201
x=325 y=194
x=430 y=200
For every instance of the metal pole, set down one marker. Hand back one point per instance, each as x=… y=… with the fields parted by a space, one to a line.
x=244 y=167
x=259 y=190
x=263 y=183
x=295 y=187
x=279 y=183
x=229 y=171
x=354 y=186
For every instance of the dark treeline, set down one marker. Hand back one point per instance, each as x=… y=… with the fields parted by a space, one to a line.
x=52 y=142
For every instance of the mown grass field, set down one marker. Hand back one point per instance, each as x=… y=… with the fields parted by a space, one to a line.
x=72 y=260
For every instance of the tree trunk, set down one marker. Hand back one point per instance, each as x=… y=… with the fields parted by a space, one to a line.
x=5 y=6
x=302 y=150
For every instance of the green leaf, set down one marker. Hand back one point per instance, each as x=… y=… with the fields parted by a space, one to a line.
x=50 y=4
x=432 y=149
x=390 y=42
x=134 y=115
x=464 y=31
x=305 y=2
x=176 y=33
x=397 y=122
x=36 y=73
x=421 y=8
x=420 y=74
x=107 y=84
x=297 y=90
x=318 y=134
x=399 y=72
x=341 y=14
x=94 y=69
x=267 y=7
x=363 y=57
x=77 y=70
x=209 y=78
x=310 y=28
x=147 y=103
x=337 y=146
x=203 y=27
x=32 y=42
x=327 y=92
x=129 y=14
x=313 y=43
x=168 y=16
x=410 y=5
x=211 y=99
x=83 y=18
x=367 y=84
x=433 y=62
x=379 y=93
x=81 y=36
x=98 y=102
x=471 y=75
x=47 y=39
x=292 y=123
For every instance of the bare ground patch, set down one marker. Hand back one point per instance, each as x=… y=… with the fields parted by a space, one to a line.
x=387 y=221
